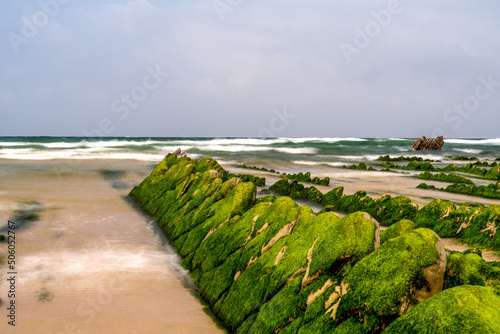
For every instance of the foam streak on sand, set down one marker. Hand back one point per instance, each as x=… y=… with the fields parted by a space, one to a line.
x=90 y=259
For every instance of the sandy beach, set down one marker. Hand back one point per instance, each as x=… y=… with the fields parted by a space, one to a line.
x=92 y=263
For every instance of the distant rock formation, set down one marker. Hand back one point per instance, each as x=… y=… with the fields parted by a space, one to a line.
x=425 y=144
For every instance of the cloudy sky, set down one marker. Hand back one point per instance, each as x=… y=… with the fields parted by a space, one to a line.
x=291 y=68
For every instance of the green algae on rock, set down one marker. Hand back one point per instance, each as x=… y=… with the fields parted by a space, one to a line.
x=269 y=265
x=394 y=278
x=463 y=309
x=452 y=178
x=397 y=229
x=296 y=190
x=306 y=177
x=361 y=166
x=468 y=268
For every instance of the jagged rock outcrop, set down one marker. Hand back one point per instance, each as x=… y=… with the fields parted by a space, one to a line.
x=270 y=266
x=425 y=144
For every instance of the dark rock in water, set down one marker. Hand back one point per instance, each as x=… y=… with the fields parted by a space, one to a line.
x=425 y=144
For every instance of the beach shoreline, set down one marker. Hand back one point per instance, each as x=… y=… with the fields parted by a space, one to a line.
x=90 y=260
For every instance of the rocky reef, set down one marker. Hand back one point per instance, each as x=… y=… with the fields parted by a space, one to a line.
x=360 y=166
x=490 y=191
x=452 y=178
x=424 y=144
x=271 y=266
x=306 y=177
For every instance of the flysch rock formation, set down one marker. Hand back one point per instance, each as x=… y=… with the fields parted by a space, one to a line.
x=270 y=266
x=425 y=144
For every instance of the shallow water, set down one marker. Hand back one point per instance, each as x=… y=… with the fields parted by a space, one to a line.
x=92 y=263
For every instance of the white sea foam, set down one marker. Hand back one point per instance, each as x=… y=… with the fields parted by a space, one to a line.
x=63 y=145
x=388 y=139
x=492 y=141
x=30 y=154
x=118 y=143
x=10 y=144
x=308 y=163
x=229 y=142
x=318 y=163
x=468 y=150
x=369 y=157
x=322 y=139
x=82 y=265
x=243 y=148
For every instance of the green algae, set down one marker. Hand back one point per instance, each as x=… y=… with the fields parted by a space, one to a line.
x=296 y=190
x=263 y=169
x=360 y=166
x=351 y=238
x=383 y=284
x=468 y=268
x=463 y=309
x=268 y=265
x=490 y=191
x=397 y=229
x=443 y=177
x=306 y=177
x=258 y=181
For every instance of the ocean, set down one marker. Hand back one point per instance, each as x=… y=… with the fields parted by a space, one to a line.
x=332 y=152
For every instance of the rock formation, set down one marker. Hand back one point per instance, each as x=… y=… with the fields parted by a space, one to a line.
x=268 y=265
x=425 y=144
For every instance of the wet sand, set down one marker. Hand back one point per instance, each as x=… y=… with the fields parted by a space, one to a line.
x=92 y=263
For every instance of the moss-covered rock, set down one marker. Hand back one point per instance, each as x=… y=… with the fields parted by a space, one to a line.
x=360 y=166
x=269 y=265
x=306 y=177
x=397 y=229
x=419 y=165
x=333 y=197
x=452 y=178
x=388 y=210
x=468 y=268
x=394 y=278
x=464 y=309
x=352 y=238
x=263 y=169
x=296 y=190
x=432 y=212
x=490 y=191
x=258 y=181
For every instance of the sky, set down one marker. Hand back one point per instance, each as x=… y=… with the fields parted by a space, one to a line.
x=250 y=68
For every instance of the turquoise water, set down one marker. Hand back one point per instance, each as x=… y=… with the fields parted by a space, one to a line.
x=296 y=151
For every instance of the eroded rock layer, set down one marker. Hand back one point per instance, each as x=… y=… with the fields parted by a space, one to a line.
x=269 y=265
